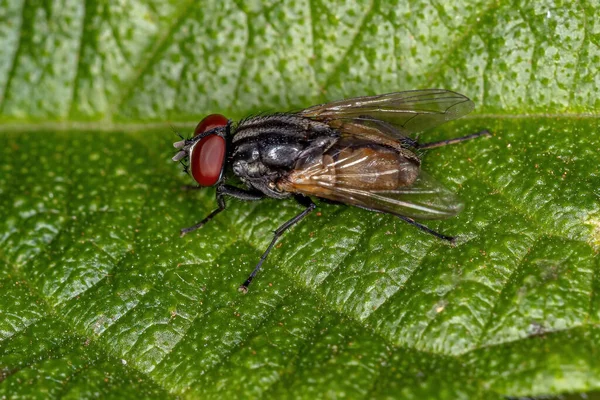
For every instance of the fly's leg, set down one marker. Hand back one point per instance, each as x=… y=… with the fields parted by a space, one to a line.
x=191 y=187
x=414 y=223
x=304 y=201
x=425 y=229
x=433 y=145
x=441 y=143
x=408 y=142
x=222 y=191
x=221 y=205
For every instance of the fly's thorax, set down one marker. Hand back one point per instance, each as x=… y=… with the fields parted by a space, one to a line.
x=279 y=125
x=265 y=149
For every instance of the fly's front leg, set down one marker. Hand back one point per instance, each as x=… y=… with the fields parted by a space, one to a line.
x=303 y=201
x=223 y=190
x=221 y=205
x=441 y=143
x=191 y=187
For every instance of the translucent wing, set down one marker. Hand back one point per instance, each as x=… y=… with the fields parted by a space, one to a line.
x=425 y=199
x=400 y=114
x=372 y=176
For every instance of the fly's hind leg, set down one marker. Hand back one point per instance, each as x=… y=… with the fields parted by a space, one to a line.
x=414 y=223
x=425 y=229
x=441 y=143
x=223 y=190
x=303 y=201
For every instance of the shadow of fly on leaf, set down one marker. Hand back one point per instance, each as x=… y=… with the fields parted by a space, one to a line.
x=362 y=152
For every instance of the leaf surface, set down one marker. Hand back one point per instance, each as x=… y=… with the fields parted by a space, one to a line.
x=99 y=297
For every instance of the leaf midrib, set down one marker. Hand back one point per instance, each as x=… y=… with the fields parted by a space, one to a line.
x=104 y=126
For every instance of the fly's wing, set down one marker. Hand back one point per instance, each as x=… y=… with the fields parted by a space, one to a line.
x=424 y=199
x=399 y=115
x=374 y=177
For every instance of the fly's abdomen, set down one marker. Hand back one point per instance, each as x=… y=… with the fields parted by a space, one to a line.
x=371 y=168
x=366 y=167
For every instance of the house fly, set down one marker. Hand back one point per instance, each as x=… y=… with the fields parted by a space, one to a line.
x=361 y=152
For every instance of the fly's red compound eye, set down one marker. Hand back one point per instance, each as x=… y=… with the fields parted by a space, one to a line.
x=206 y=160
x=208 y=155
x=210 y=122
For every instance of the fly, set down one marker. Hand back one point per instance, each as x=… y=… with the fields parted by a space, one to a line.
x=360 y=151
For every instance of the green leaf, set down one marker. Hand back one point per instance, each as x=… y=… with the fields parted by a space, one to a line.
x=99 y=297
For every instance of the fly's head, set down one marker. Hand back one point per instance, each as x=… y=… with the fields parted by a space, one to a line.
x=206 y=151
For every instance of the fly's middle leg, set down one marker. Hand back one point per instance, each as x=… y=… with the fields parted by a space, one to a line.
x=451 y=239
x=304 y=201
